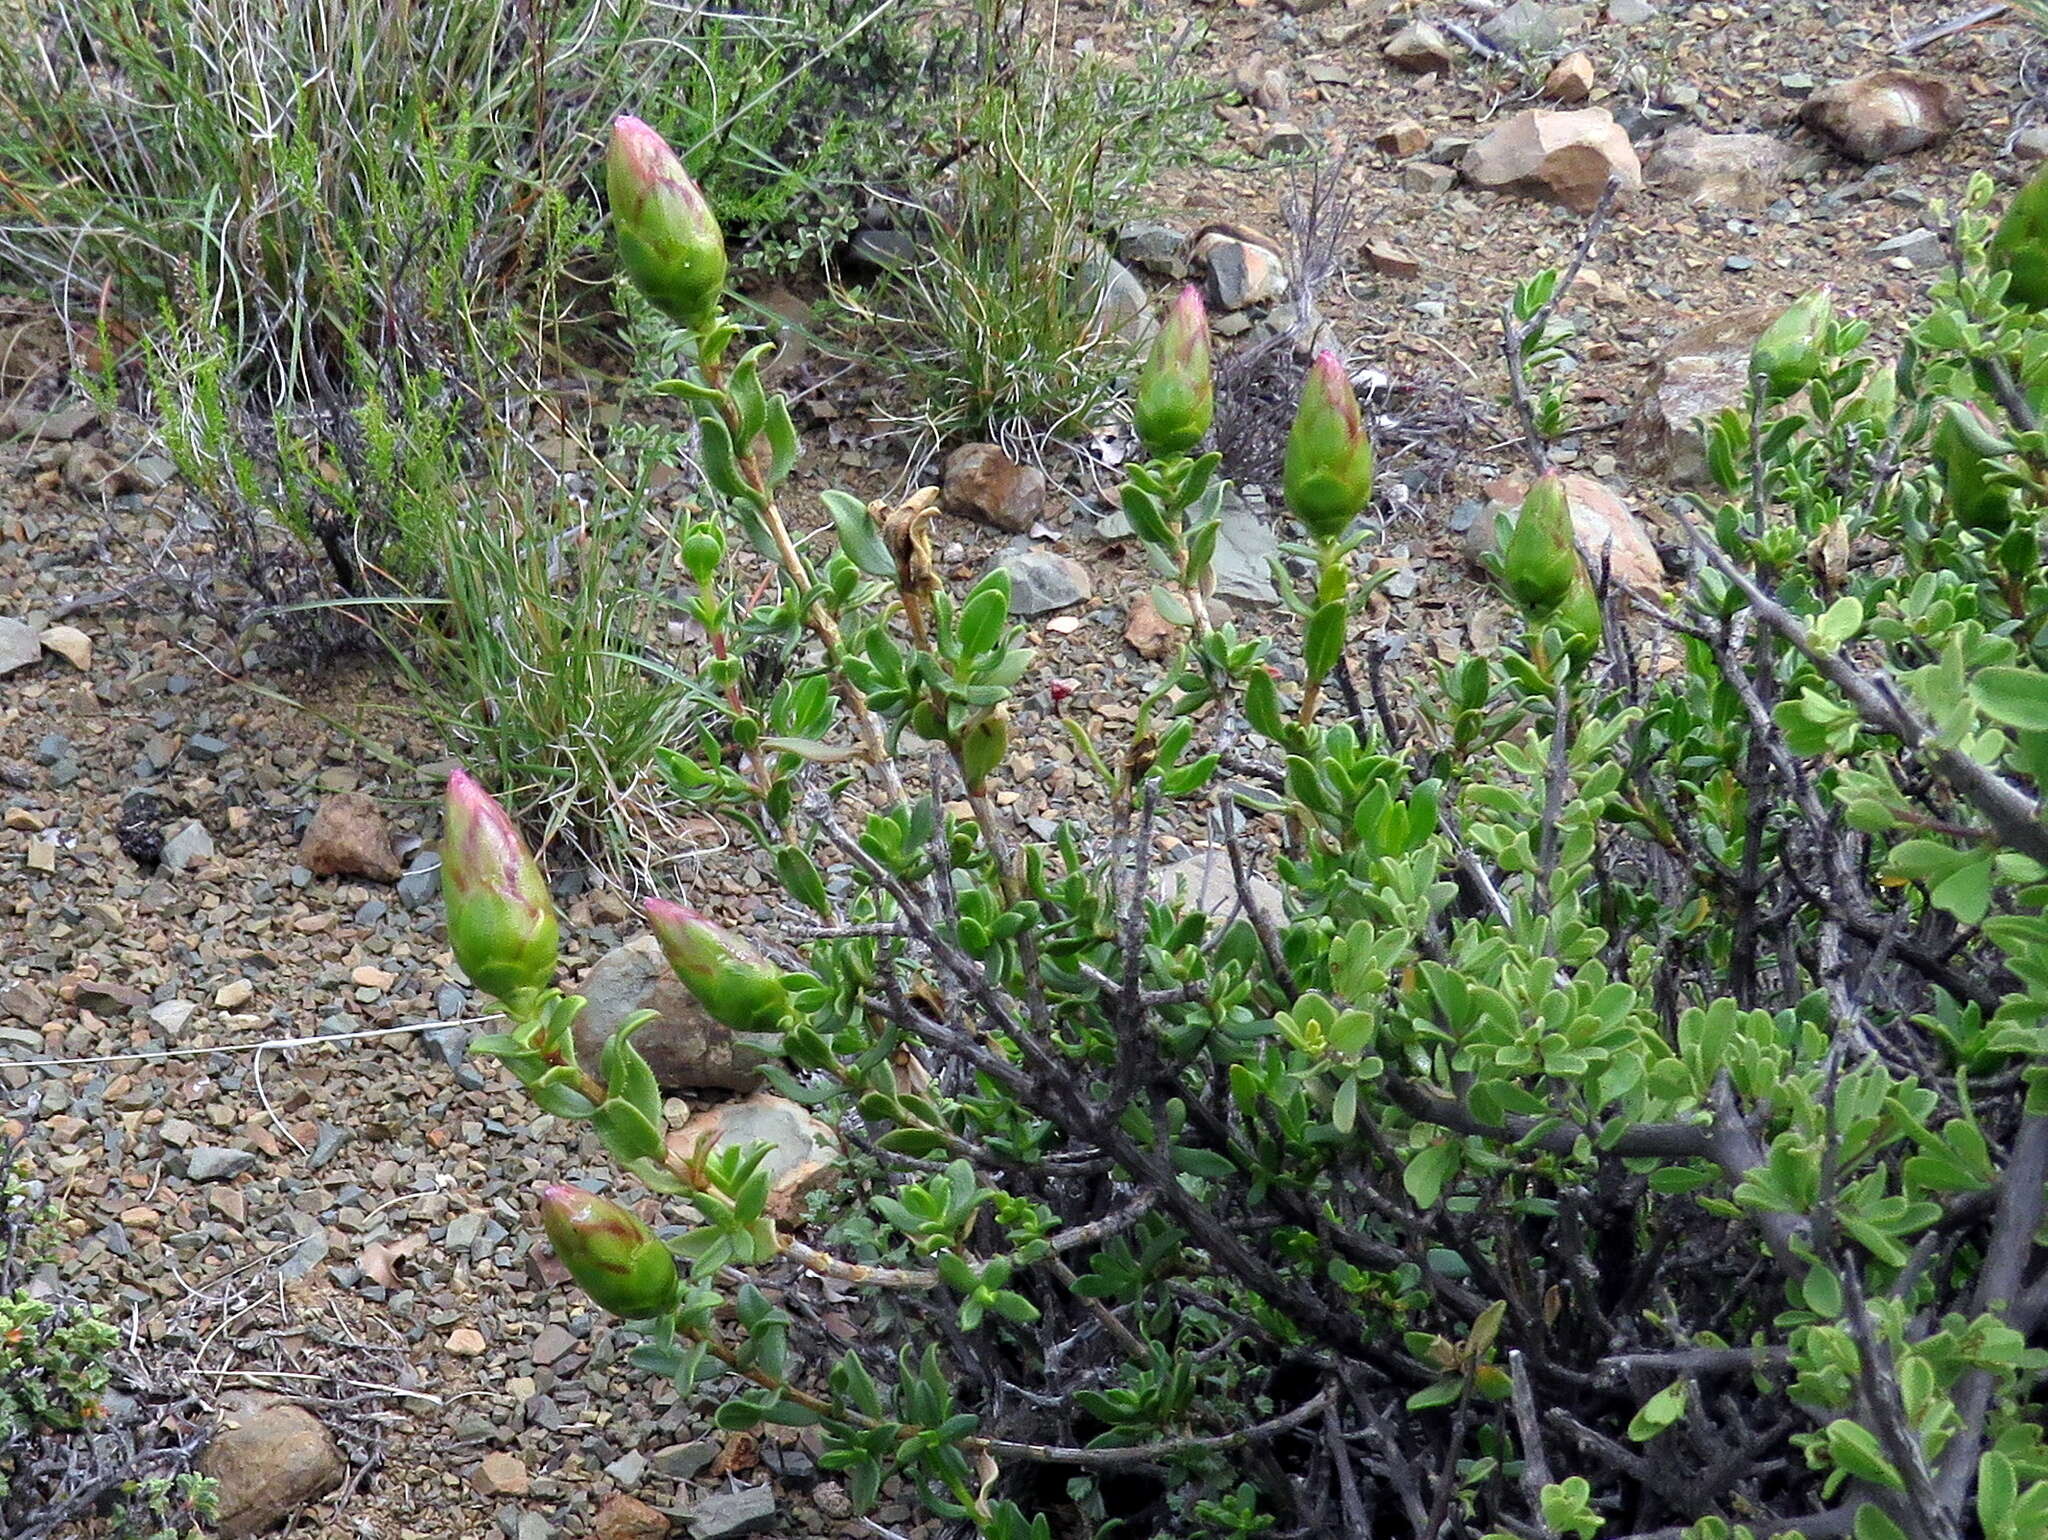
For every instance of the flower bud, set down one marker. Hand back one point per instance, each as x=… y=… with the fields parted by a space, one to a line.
x=703 y=550
x=982 y=747
x=609 y=1250
x=1540 y=560
x=1327 y=476
x=501 y=922
x=1176 y=396
x=730 y=979
x=1578 y=617
x=1973 y=453
x=2019 y=247
x=1789 y=354
x=669 y=242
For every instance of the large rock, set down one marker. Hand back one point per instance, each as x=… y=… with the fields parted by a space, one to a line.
x=1241 y=272
x=1697 y=376
x=1885 y=113
x=1205 y=881
x=802 y=1156
x=269 y=1458
x=683 y=1045
x=1611 y=539
x=19 y=645
x=1566 y=157
x=1043 y=581
x=984 y=484
x=349 y=838
x=1524 y=27
x=1419 y=48
x=1738 y=171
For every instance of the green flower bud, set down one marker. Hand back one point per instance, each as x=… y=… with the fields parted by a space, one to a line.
x=1974 y=468
x=1540 y=561
x=982 y=747
x=669 y=242
x=501 y=922
x=730 y=979
x=1578 y=617
x=609 y=1250
x=1788 y=355
x=1176 y=396
x=2019 y=247
x=703 y=550
x=1327 y=476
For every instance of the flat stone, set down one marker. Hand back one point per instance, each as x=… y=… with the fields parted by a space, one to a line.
x=1885 y=113
x=499 y=1474
x=1245 y=547
x=466 y=1342
x=1112 y=298
x=59 y=425
x=1390 y=260
x=739 y=1512
x=348 y=837
x=983 y=483
x=1427 y=179
x=1566 y=157
x=683 y=1461
x=628 y=1518
x=1043 y=581
x=685 y=1046
x=1919 y=248
x=552 y=1344
x=25 y=1003
x=171 y=1015
x=233 y=996
x=803 y=1152
x=1402 y=137
x=1698 y=375
x=1740 y=171
x=70 y=644
x=1156 y=247
x=1524 y=27
x=19 y=646
x=269 y=1458
x=1205 y=881
x=1419 y=48
x=217 y=1163
x=190 y=846
x=107 y=997
x=1571 y=80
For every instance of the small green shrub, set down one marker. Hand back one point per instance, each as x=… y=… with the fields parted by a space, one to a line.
x=65 y=1456
x=1629 y=1118
x=996 y=313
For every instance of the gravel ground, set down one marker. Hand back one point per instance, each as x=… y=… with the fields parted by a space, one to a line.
x=349 y=1221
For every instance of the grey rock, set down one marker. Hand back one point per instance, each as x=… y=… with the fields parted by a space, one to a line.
x=51 y=749
x=731 y=1513
x=1112 y=298
x=1042 y=581
x=171 y=1015
x=305 y=1258
x=217 y=1163
x=1158 y=248
x=1206 y=882
x=1524 y=27
x=1245 y=547
x=1921 y=248
x=205 y=746
x=533 y=1527
x=1428 y=180
x=628 y=1469
x=1419 y=48
x=1718 y=170
x=1698 y=375
x=191 y=843
x=1241 y=273
x=448 y=1046
x=684 y=1046
x=682 y=1461
x=882 y=249
x=2031 y=144
x=421 y=883
x=20 y=645
x=1630 y=13
x=58 y=425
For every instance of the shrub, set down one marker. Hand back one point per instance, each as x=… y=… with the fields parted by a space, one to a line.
x=1630 y=1120
x=998 y=313
x=66 y=1453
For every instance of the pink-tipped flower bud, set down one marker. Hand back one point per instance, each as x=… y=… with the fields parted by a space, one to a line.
x=1176 y=395
x=669 y=241
x=501 y=922
x=609 y=1250
x=1327 y=476
x=1541 y=560
x=730 y=979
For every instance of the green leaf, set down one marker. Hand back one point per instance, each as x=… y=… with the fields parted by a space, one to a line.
x=1323 y=641
x=858 y=537
x=1873 y=1523
x=1427 y=1171
x=1853 y=1448
x=2018 y=697
x=1663 y=1410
